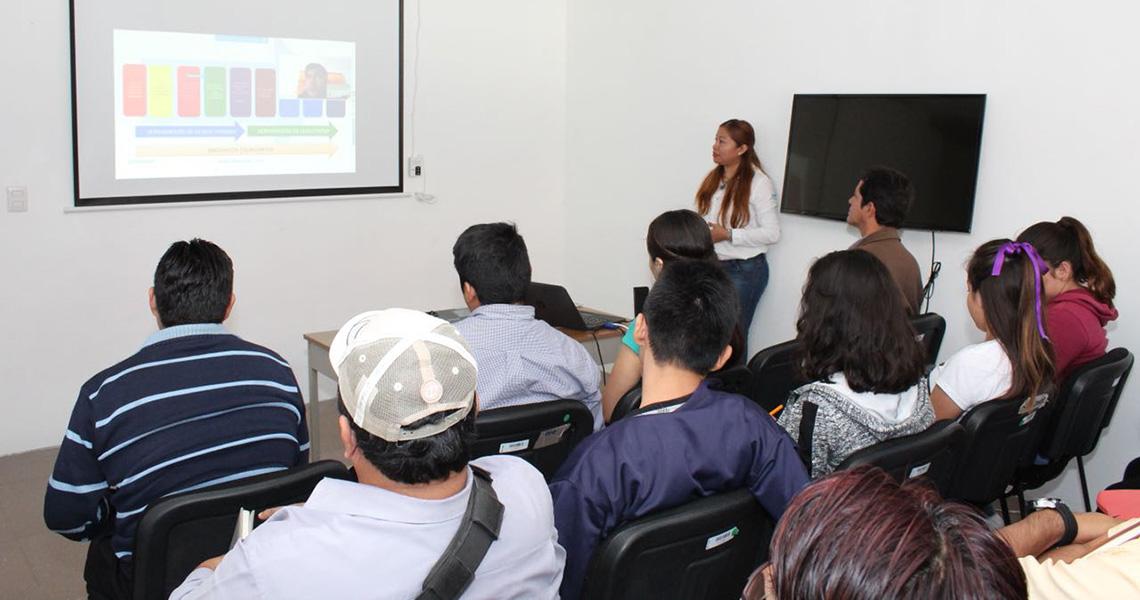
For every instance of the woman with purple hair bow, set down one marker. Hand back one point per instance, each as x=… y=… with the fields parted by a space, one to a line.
x=1004 y=297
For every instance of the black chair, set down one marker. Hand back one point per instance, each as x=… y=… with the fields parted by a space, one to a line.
x=1083 y=409
x=1001 y=436
x=178 y=532
x=704 y=549
x=542 y=433
x=931 y=328
x=932 y=453
x=775 y=374
x=628 y=403
x=1131 y=479
x=734 y=380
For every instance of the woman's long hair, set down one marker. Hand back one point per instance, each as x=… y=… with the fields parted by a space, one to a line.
x=1069 y=240
x=679 y=234
x=853 y=320
x=857 y=534
x=734 y=211
x=683 y=235
x=1014 y=316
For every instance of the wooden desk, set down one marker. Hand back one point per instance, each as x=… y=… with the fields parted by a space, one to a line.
x=318 y=355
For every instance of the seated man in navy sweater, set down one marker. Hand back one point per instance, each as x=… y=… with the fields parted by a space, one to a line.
x=196 y=406
x=687 y=440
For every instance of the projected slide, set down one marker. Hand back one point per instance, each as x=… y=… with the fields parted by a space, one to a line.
x=208 y=105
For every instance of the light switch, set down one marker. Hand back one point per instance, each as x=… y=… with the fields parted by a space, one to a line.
x=17 y=199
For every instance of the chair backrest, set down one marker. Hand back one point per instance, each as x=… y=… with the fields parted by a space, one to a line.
x=704 y=549
x=734 y=380
x=774 y=374
x=931 y=328
x=932 y=454
x=1001 y=435
x=1085 y=405
x=1116 y=397
x=629 y=402
x=541 y=433
x=178 y=532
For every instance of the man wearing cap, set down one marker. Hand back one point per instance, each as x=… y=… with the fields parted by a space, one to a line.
x=522 y=360
x=196 y=406
x=407 y=387
x=687 y=440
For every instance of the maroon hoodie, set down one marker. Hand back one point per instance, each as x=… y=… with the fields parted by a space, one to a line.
x=1076 y=321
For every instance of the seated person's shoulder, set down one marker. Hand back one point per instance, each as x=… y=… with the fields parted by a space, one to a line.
x=513 y=476
x=237 y=341
x=978 y=355
x=735 y=404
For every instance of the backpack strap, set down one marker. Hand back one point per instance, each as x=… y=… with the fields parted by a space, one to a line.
x=482 y=520
x=807 y=429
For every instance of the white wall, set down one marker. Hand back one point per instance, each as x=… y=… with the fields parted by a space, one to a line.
x=526 y=108
x=490 y=124
x=648 y=82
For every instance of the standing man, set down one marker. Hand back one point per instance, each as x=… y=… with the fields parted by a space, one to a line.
x=196 y=406
x=522 y=360
x=877 y=208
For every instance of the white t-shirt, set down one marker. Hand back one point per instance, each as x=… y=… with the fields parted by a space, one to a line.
x=763 y=226
x=974 y=374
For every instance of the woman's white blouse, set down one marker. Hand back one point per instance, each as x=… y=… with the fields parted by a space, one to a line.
x=763 y=227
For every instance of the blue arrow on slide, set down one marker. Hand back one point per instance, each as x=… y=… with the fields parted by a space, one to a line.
x=177 y=131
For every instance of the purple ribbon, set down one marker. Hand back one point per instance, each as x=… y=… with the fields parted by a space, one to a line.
x=1010 y=248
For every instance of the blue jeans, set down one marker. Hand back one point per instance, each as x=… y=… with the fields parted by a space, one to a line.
x=750 y=276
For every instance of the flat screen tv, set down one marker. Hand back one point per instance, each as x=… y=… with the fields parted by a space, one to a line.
x=934 y=139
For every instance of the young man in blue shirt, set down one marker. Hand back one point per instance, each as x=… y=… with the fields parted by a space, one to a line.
x=522 y=360
x=687 y=440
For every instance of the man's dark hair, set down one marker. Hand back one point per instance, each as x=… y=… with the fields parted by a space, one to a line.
x=890 y=191
x=691 y=313
x=492 y=257
x=853 y=321
x=417 y=461
x=193 y=283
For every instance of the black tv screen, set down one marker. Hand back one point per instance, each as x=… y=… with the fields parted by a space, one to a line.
x=934 y=139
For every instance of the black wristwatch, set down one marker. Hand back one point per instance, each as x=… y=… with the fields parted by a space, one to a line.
x=1066 y=517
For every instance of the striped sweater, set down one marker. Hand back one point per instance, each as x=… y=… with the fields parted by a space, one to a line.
x=195 y=407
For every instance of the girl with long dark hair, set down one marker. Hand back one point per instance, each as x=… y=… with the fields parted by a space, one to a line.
x=864 y=362
x=1004 y=297
x=739 y=201
x=1079 y=290
x=673 y=235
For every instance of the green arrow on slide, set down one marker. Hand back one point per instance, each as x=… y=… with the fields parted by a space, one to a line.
x=290 y=130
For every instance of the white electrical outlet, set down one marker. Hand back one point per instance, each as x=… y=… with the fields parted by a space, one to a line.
x=17 y=199
x=416 y=166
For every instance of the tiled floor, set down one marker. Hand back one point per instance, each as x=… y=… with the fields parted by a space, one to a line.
x=36 y=564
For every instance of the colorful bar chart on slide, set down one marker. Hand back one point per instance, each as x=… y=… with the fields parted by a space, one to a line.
x=207 y=105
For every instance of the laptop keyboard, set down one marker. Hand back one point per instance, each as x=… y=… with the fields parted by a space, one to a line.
x=594 y=321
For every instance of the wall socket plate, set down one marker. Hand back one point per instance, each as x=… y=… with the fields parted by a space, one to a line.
x=17 y=199
x=416 y=166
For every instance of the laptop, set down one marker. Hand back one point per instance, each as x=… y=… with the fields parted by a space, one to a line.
x=552 y=304
x=451 y=315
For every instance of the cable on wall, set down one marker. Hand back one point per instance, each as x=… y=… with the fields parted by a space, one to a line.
x=935 y=269
x=421 y=195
